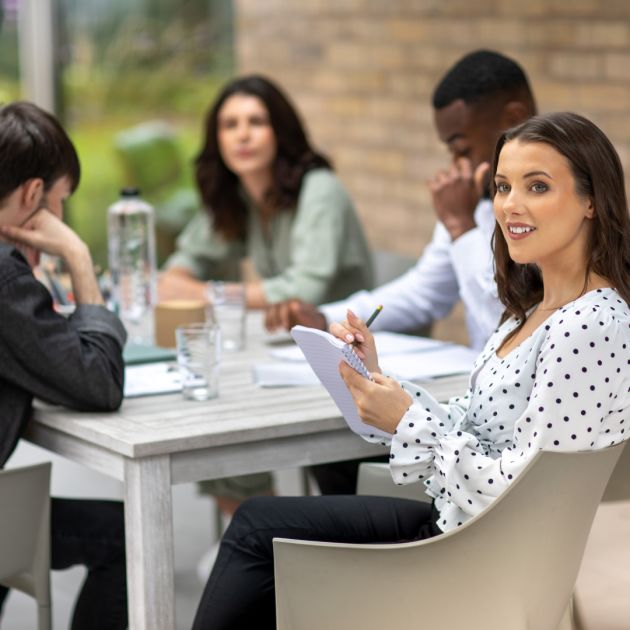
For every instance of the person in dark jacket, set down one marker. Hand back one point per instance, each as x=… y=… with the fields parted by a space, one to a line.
x=75 y=361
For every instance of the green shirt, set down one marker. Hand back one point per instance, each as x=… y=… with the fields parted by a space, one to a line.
x=316 y=252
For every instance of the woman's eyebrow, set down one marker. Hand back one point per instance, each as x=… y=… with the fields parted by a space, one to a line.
x=535 y=173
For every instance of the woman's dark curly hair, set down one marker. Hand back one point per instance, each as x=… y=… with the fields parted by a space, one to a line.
x=599 y=177
x=219 y=186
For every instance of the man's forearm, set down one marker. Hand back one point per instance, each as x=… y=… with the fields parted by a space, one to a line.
x=84 y=283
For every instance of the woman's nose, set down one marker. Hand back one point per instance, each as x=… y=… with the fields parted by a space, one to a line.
x=242 y=131
x=511 y=202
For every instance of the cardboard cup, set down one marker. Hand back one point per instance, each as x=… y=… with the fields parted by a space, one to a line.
x=173 y=313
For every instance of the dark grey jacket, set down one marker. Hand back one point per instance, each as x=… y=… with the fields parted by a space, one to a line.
x=76 y=362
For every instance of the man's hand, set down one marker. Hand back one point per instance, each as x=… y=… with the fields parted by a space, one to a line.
x=456 y=193
x=285 y=315
x=381 y=402
x=44 y=232
x=355 y=332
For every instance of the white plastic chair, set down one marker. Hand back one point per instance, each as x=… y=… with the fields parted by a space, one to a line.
x=512 y=567
x=618 y=489
x=25 y=535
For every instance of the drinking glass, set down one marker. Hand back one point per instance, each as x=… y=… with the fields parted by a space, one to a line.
x=228 y=306
x=198 y=357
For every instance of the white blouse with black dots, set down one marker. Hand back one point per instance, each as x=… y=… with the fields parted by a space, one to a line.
x=565 y=388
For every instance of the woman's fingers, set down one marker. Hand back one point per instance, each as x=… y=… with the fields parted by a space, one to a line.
x=343 y=331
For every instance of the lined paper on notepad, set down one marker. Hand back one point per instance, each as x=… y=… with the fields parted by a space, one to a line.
x=324 y=354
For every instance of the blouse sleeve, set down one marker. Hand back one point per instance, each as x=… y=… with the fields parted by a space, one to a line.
x=574 y=405
x=417 y=435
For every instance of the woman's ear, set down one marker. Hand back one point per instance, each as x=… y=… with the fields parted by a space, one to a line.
x=590 y=210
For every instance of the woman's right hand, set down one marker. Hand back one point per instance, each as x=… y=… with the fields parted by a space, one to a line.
x=354 y=332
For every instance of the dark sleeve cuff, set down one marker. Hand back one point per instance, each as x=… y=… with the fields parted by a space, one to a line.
x=96 y=318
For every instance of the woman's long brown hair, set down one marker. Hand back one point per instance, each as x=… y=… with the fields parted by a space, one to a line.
x=219 y=186
x=599 y=177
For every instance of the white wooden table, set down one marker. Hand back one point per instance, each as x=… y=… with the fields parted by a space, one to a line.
x=154 y=442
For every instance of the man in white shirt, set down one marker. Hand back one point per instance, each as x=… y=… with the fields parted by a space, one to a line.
x=483 y=94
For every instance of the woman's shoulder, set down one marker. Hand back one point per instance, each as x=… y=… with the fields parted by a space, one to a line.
x=599 y=312
x=322 y=182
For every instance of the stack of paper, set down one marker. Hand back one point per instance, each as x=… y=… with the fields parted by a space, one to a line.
x=403 y=356
x=444 y=361
x=151 y=379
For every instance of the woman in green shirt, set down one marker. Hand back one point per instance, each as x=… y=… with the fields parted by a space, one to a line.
x=267 y=196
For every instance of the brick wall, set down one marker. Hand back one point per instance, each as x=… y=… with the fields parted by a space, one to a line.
x=362 y=74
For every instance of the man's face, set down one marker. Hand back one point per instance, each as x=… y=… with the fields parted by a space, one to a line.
x=468 y=131
x=55 y=197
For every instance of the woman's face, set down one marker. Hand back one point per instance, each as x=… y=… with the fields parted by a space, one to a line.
x=245 y=135
x=542 y=218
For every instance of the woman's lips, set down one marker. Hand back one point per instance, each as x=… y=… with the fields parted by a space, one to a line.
x=519 y=231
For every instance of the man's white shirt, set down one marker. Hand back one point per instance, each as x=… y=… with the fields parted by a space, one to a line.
x=446 y=272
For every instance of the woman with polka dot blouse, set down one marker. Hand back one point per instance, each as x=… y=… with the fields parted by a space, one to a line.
x=555 y=375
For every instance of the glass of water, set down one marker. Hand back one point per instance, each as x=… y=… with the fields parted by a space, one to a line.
x=198 y=357
x=228 y=306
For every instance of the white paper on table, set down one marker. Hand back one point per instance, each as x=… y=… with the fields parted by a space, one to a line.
x=152 y=378
x=387 y=343
x=272 y=374
x=452 y=359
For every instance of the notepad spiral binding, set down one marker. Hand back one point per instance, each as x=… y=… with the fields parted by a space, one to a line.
x=354 y=361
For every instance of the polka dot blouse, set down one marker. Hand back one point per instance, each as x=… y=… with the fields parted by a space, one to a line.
x=565 y=388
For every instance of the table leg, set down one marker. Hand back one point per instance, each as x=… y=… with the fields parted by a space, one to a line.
x=149 y=543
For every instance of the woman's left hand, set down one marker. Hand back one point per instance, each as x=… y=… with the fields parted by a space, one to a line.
x=381 y=402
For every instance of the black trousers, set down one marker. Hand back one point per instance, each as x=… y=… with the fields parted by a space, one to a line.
x=240 y=590
x=92 y=534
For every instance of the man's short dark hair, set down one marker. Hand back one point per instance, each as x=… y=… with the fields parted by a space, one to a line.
x=34 y=145
x=481 y=75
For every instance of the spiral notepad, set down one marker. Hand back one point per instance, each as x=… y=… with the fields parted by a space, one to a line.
x=324 y=353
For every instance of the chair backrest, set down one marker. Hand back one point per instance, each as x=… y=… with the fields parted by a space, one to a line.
x=512 y=567
x=25 y=533
x=389 y=265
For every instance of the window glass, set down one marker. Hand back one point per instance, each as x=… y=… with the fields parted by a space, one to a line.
x=126 y=63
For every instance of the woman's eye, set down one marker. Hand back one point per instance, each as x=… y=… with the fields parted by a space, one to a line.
x=502 y=187
x=259 y=121
x=539 y=187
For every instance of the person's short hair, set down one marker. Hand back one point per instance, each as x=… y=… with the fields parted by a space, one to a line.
x=599 y=177
x=481 y=75
x=34 y=145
